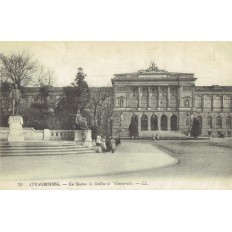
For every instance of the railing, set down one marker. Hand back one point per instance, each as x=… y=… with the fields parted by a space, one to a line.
x=62 y=135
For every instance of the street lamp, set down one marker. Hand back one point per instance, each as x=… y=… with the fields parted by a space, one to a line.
x=120 y=124
x=111 y=125
x=190 y=123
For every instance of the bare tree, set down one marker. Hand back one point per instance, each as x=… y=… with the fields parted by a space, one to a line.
x=44 y=77
x=17 y=68
x=98 y=105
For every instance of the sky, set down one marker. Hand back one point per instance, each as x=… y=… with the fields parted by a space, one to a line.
x=211 y=62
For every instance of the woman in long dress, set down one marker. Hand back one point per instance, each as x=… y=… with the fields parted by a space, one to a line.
x=98 y=143
x=113 y=144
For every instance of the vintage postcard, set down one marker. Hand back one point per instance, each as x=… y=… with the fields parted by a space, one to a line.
x=116 y=115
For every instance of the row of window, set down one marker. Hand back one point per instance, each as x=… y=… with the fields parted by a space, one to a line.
x=216 y=102
x=218 y=122
x=154 y=122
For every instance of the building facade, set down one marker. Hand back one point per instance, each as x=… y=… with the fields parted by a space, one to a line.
x=168 y=101
x=159 y=100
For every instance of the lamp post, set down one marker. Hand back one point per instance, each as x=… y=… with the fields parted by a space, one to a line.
x=191 y=122
x=111 y=125
x=50 y=115
x=120 y=124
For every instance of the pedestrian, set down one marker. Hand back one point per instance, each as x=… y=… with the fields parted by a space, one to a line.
x=219 y=133
x=113 y=144
x=153 y=136
x=157 y=136
x=209 y=133
x=98 y=143
x=103 y=145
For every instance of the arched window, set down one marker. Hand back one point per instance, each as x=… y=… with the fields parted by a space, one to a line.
x=164 y=122
x=199 y=118
x=198 y=101
x=226 y=102
x=144 y=123
x=209 y=122
x=217 y=101
x=173 y=122
x=228 y=122
x=208 y=102
x=154 y=123
x=219 y=121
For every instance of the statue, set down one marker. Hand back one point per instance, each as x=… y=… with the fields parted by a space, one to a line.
x=15 y=96
x=81 y=121
x=152 y=67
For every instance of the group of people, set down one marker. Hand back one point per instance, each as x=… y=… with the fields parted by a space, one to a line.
x=104 y=144
x=155 y=136
x=219 y=135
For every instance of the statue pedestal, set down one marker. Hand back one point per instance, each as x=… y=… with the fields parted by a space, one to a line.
x=85 y=140
x=16 y=130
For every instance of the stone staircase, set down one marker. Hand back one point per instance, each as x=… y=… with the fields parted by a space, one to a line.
x=42 y=148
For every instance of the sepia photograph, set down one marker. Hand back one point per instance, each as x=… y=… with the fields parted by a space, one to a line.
x=116 y=115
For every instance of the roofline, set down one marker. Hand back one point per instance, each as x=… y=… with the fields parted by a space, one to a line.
x=151 y=73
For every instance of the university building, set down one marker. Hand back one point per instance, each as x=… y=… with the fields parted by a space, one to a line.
x=159 y=100
x=168 y=101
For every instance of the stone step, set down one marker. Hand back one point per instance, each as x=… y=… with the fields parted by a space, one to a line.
x=41 y=147
x=41 y=144
x=43 y=150
x=47 y=153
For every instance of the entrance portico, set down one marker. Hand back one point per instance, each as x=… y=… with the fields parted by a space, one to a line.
x=154 y=96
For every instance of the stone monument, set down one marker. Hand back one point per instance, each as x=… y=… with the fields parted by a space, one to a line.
x=84 y=135
x=16 y=130
x=81 y=122
x=15 y=121
x=83 y=138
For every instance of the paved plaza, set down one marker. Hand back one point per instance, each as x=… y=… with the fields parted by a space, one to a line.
x=129 y=157
x=173 y=164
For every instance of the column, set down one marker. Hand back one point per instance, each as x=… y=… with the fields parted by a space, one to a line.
x=212 y=103
x=139 y=98
x=213 y=124
x=168 y=100
x=169 y=122
x=193 y=97
x=139 y=123
x=148 y=97
x=180 y=95
x=128 y=96
x=149 y=122
x=114 y=96
x=203 y=102
x=158 y=97
x=159 y=121
x=223 y=102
